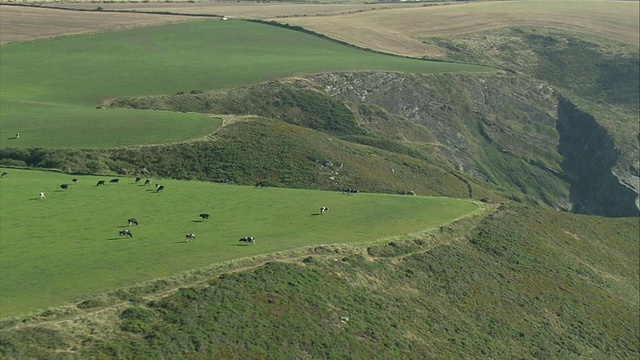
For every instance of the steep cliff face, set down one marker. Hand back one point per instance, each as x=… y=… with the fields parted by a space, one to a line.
x=506 y=130
x=589 y=155
x=498 y=129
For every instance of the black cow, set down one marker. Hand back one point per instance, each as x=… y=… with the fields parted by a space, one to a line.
x=4 y=174
x=147 y=182
x=403 y=192
x=350 y=191
x=100 y=183
x=248 y=240
x=262 y=184
x=114 y=181
x=204 y=216
x=75 y=181
x=138 y=180
x=191 y=237
x=160 y=188
x=64 y=186
x=133 y=221
x=323 y=210
x=126 y=232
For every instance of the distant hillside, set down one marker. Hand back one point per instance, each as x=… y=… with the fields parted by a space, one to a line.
x=507 y=133
x=599 y=78
x=518 y=283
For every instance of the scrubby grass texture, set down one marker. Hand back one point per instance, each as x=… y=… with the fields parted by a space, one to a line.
x=518 y=283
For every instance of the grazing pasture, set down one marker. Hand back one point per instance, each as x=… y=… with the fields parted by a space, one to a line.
x=56 y=97
x=67 y=246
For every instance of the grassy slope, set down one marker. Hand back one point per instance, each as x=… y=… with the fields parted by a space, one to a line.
x=512 y=128
x=572 y=278
x=67 y=246
x=250 y=149
x=61 y=126
x=84 y=71
x=520 y=283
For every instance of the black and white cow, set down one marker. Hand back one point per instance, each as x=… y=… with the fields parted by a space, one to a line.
x=133 y=221
x=160 y=188
x=323 y=210
x=75 y=181
x=100 y=183
x=138 y=180
x=4 y=174
x=126 y=232
x=114 y=181
x=147 y=182
x=191 y=237
x=204 y=216
x=248 y=240
x=64 y=186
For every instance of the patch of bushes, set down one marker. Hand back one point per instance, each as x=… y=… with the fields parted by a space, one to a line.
x=396 y=248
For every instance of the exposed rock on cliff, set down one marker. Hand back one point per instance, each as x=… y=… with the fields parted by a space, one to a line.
x=589 y=156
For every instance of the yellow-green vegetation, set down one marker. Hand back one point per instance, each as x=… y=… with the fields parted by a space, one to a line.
x=67 y=85
x=494 y=279
x=520 y=283
x=66 y=246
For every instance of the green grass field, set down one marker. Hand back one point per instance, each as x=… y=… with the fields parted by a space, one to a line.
x=67 y=246
x=52 y=84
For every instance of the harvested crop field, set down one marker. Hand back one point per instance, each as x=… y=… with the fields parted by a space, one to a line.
x=23 y=23
x=392 y=28
x=402 y=30
x=245 y=10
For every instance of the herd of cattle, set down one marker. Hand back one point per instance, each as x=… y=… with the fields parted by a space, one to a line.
x=190 y=237
x=133 y=221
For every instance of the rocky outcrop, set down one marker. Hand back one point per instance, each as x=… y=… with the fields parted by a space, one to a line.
x=507 y=132
x=589 y=155
x=468 y=115
x=497 y=128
